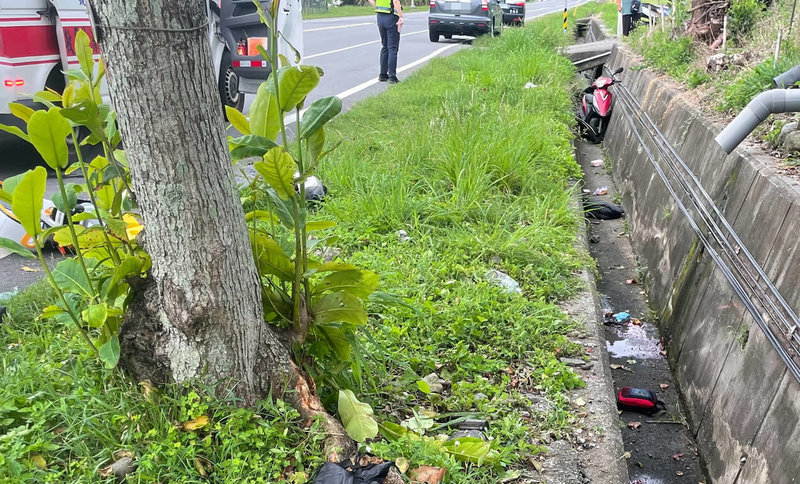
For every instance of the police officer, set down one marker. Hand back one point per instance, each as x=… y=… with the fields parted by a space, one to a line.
x=390 y=21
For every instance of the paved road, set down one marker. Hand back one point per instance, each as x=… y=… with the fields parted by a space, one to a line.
x=345 y=48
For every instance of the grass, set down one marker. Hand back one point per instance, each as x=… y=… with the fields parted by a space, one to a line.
x=356 y=11
x=477 y=170
x=607 y=12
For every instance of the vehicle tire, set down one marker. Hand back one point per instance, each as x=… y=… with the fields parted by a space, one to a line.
x=433 y=35
x=229 y=84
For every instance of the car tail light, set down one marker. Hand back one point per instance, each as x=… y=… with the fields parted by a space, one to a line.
x=433 y=3
x=14 y=82
x=484 y=5
x=520 y=4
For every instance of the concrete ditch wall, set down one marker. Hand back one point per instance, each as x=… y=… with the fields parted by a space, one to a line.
x=743 y=404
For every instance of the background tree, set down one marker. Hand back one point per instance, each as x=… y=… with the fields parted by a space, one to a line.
x=199 y=314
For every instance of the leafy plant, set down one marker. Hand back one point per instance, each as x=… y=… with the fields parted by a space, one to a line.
x=743 y=15
x=320 y=302
x=93 y=286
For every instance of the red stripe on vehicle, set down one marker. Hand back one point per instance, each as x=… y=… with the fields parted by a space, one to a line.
x=21 y=19
x=28 y=63
x=28 y=41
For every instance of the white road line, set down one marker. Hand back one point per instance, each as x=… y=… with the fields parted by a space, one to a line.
x=357 y=45
x=339 y=27
x=349 y=92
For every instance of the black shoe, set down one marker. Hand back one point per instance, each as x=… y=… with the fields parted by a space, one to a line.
x=383 y=78
x=393 y=80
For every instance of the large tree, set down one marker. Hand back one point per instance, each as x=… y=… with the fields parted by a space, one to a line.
x=707 y=20
x=199 y=314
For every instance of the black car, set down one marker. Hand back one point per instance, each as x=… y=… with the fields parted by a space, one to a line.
x=464 y=17
x=513 y=12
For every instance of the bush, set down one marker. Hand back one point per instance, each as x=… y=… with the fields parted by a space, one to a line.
x=742 y=17
x=745 y=87
x=660 y=50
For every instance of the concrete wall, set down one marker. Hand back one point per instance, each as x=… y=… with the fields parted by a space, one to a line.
x=742 y=402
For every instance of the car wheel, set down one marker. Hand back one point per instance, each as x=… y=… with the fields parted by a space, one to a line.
x=434 y=36
x=229 y=84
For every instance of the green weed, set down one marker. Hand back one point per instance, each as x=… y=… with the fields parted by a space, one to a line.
x=661 y=51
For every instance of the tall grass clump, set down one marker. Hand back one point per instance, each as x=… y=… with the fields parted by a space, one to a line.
x=663 y=51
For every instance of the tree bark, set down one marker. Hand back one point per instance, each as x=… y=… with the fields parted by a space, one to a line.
x=199 y=314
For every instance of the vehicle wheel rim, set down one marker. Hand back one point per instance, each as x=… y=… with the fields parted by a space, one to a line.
x=231 y=87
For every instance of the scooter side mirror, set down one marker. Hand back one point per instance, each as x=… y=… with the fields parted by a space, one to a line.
x=619 y=69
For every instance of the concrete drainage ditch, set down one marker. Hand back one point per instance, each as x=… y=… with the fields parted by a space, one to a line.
x=659 y=448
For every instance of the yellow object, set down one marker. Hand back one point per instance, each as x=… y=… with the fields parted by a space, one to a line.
x=132 y=226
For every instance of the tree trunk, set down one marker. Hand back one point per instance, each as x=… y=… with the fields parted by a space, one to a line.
x=708 y=20
x=199 y=315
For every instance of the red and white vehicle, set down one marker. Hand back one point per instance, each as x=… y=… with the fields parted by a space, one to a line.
x=37 y=38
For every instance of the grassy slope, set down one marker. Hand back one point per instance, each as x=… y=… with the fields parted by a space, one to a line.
x=475 y=168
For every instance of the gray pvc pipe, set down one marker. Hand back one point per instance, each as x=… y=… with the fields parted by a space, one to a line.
x=788 y=78
x=766 y=103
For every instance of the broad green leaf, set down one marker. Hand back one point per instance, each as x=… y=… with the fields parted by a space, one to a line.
x=277 y=169
x=249 y=146
x=392 y=431
x=70 y=277
x=48 y=131
x=418 y=423
x=238 y=120
x=47 y=97
x=319 y=225
x=320 y=112
x=424 y=387
x=65 y=205
x=95 y=315
x=16 y=248
x=21 y=111
x=15 y=131
x=51 y=311
x=339 y=307
x=471 y=449
x=316 y=267
x=314 y=145
x=10 y=183
x=26 y=201
x=294 y=85
x=335 y=340
x=265 y=119
x=130 y=266
x=5 y=196
x=83 y=49
x=261 y=215
x=359 y=283
x=109 y=352
x=270 y=258
x=356 y=416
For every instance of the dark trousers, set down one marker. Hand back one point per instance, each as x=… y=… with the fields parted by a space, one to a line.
x=629 y=22
x=390 y=42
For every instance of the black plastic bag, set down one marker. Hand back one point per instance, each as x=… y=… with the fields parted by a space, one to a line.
x=342 y=473
x=602 y=210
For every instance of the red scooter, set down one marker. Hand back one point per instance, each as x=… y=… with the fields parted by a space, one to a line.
x=595 y=110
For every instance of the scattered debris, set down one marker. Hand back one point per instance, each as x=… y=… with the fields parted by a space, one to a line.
x=350 y=473
x=664 y=386
x=596 y=163
x=636 y=322
x=428 y=474
x=503 y=280
x=435 y=384
x=634 y=425
x=637 y=399
x=29 y=269
x=402 y=236
x=531 y=85
x=573 y=362
x=580 y=402
x=622 y=317
x=601 y=191
x=630 y=281
x=677 y=456
x=121 y=468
